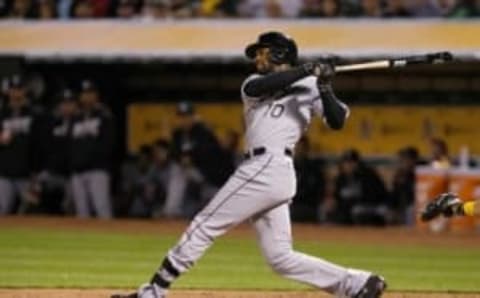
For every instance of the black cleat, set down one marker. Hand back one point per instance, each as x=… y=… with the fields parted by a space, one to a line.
x=131 y=295
x=373 y=288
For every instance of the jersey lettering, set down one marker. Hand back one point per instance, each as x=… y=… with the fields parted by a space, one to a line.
x=88 y=127
x=18 y=125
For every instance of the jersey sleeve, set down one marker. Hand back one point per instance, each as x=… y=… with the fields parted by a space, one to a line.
x=245 y=97
x=317 y=107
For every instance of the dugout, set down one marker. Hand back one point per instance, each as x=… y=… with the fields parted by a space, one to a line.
x=163 y=62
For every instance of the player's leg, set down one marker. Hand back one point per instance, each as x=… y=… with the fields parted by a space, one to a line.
x=244 y=195
x=275 y=240
x=22 y=187
x=80 y=195
x=99 y=188
x=6 y=196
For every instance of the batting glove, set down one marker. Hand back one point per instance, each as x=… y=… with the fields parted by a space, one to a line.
x=323 y=71
x=446 y=204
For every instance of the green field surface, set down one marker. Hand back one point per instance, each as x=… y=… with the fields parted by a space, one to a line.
x=65 y=259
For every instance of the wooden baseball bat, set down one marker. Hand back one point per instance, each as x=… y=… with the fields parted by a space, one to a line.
x=432 y=58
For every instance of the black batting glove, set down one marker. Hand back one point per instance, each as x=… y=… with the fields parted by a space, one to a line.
x=323 y=71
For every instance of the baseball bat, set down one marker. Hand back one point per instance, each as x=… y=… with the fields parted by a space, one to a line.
x=432 y=58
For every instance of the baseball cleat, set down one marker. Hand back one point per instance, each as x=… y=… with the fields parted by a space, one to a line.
x=131 y=295
x=373 y=288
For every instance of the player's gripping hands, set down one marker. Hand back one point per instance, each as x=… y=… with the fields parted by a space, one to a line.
x=323 y=71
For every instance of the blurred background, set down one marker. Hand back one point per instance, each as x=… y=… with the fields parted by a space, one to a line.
x=131 y=108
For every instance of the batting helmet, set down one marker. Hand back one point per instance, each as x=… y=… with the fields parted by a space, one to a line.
x=283 y=49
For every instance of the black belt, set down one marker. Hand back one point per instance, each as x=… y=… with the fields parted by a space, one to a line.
x=262 y=150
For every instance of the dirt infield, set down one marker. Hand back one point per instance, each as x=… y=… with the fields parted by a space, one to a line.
x=306 y=232
x=66 y=293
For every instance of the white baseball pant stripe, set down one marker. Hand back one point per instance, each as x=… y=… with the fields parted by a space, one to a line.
x=260 y=190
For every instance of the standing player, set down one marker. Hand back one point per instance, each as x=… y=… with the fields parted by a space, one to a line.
x=279 y=101
x=91 y=148
x=448 y=205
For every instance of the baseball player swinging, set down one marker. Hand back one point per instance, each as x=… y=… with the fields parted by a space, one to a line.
x=279 y=101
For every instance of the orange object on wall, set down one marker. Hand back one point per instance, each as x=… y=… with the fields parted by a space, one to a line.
x=465 y=183
x=429 y=184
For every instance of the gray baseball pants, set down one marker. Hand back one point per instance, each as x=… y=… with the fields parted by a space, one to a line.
x=259 y=191
x=9 y=188
x=92 y=188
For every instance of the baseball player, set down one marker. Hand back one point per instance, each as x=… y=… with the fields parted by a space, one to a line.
x=20 y=145
x=448 y=205
x=279 y=102
x=91 y=150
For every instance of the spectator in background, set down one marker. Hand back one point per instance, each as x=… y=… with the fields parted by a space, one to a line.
x=23 y=9
x=396 y=9
x=4 y=8
x=360 y=194
x=184 y=187
x=92 y=147
x=156 y=9
x=134 y=175
x=425 y=8
x=169 y=189
x=64 y=8
x=53 y=181
x=4 y=86
x=153 y=185
x=218 y=8
x=183 y=9
x=310 y=184
x=273 y=9
x=439 y=158
x=446 y=6
x=20 y=146
x=125 y=9
x=403 y=191
x=331 y=8
x=371 y=8
x=311 y=9
x=194 y=136
x=230 y=157
x=46 y=9
x=82 y=9
x=464 y=9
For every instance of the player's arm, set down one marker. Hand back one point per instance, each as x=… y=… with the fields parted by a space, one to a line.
x=335 y=112
x=273 y=82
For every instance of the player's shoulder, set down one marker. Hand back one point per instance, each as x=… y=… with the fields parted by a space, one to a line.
x=250 y=77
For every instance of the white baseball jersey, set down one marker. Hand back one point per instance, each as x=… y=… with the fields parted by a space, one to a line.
x=279 y=120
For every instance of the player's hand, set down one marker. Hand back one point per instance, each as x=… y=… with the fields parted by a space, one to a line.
x=323 y=71
x=446 y=204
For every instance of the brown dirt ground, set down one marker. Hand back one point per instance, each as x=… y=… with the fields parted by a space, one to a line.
x=393 y=236
x=75 y=293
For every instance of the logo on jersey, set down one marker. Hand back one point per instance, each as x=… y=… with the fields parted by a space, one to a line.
x=87 y=127
x=17 y=125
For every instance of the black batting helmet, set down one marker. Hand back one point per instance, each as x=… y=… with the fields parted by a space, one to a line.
x=283 y=49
